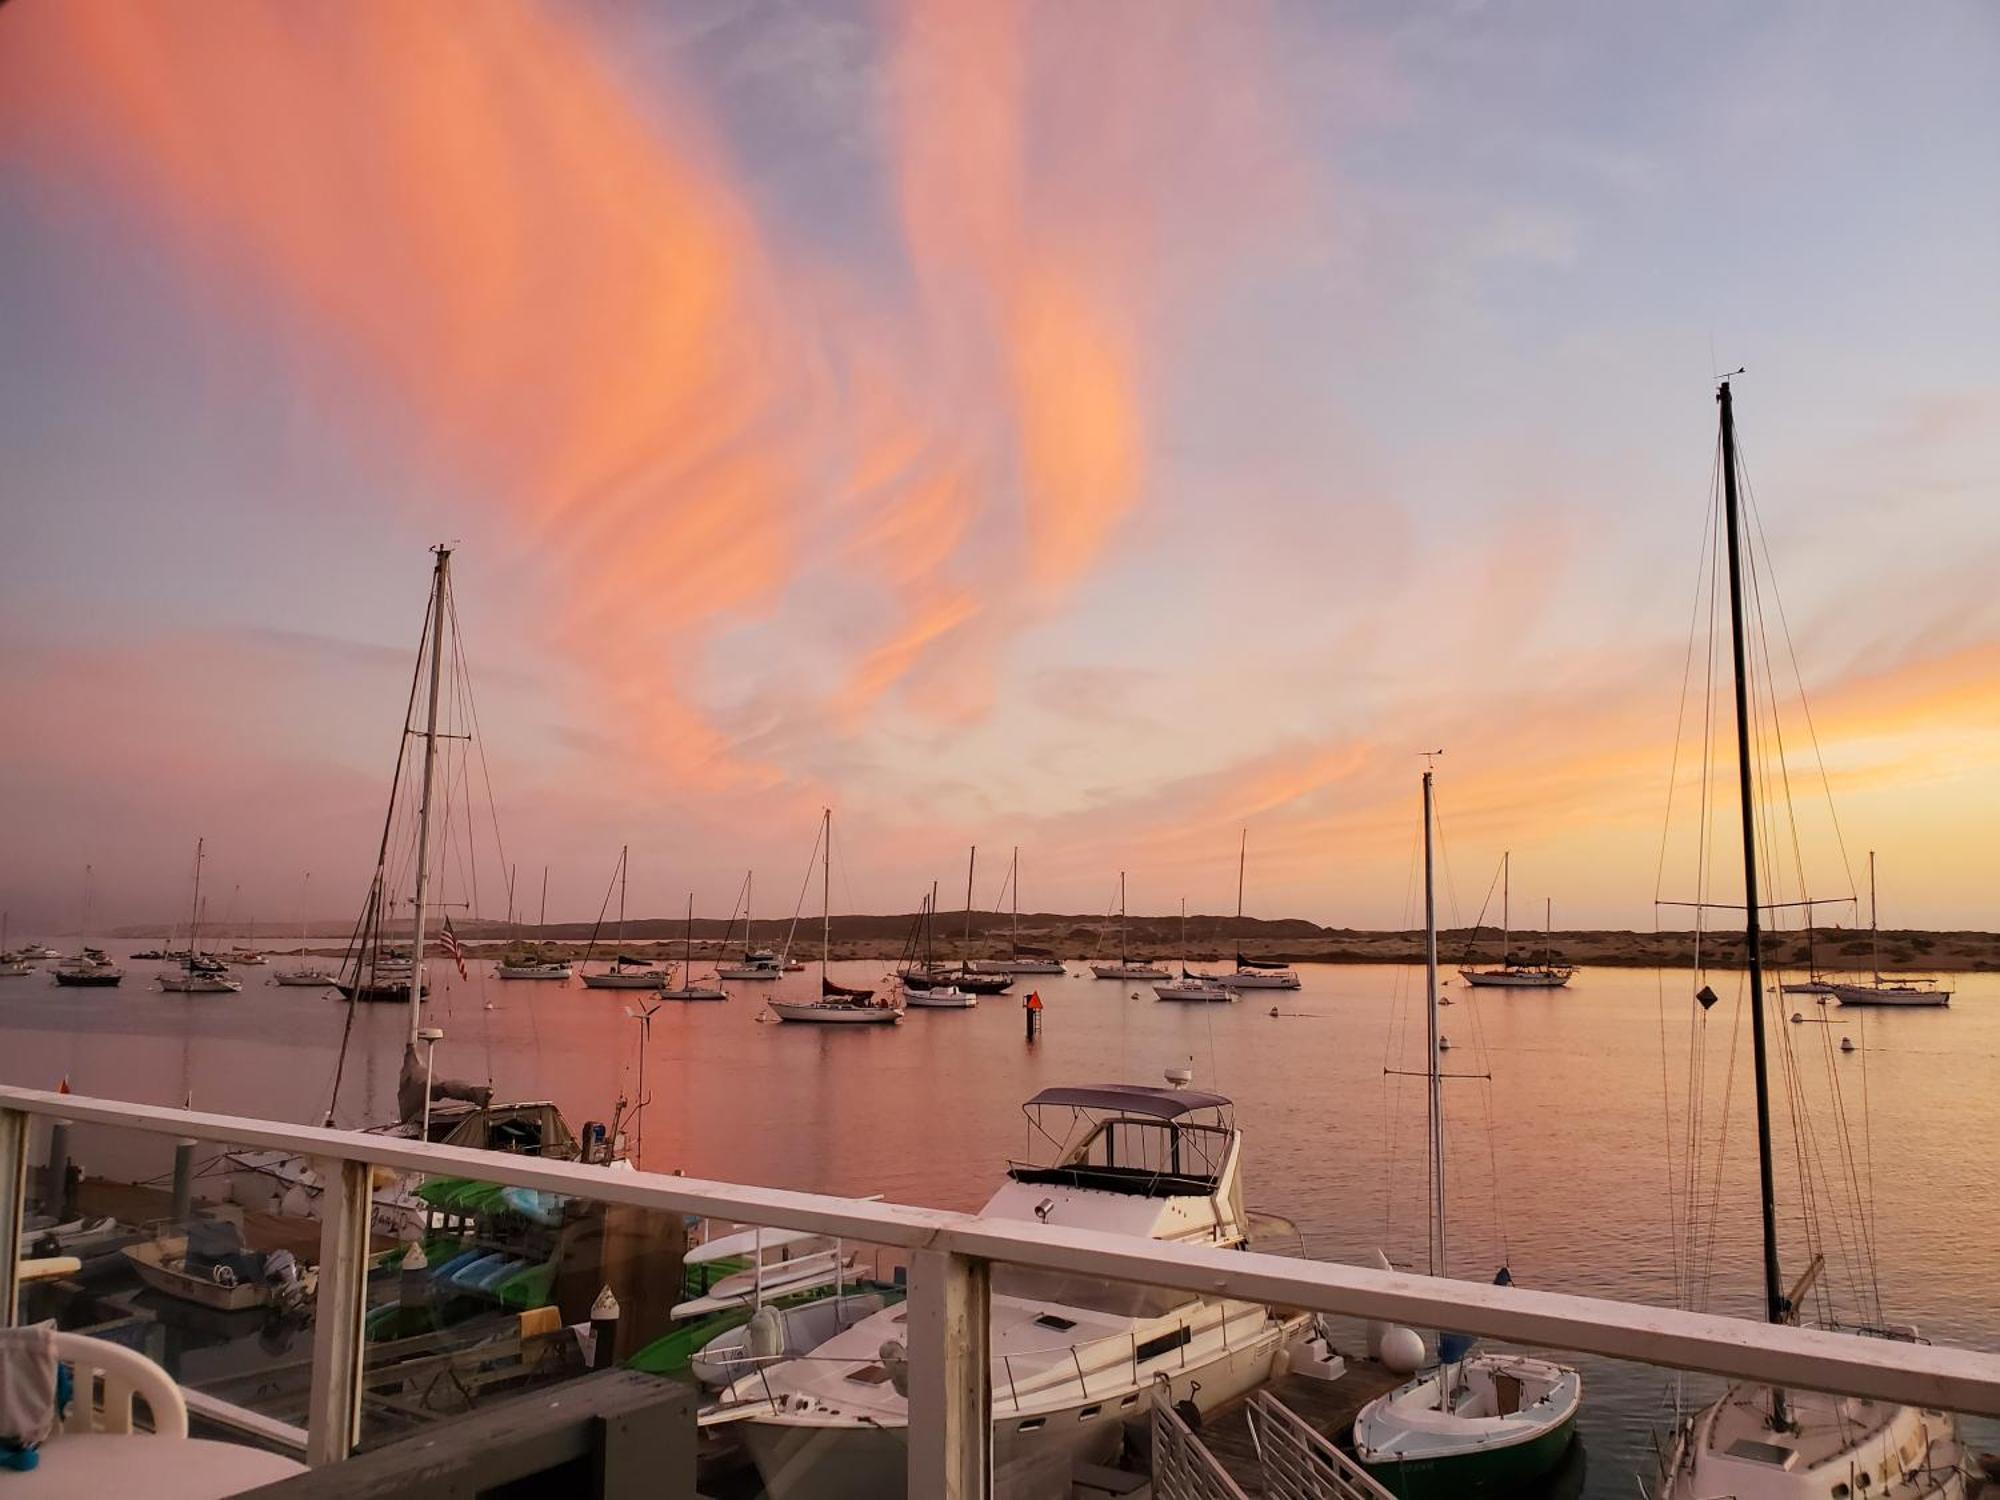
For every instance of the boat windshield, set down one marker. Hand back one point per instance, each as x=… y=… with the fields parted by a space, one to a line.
x=1116 y=1299
x=1150 y=1158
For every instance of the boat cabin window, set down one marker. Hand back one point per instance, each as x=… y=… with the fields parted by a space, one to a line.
x=1164 y=1343
x=1113 y=1298
x=1150 y=1158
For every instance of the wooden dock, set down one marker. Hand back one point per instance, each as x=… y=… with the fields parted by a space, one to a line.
x=1329 y=1407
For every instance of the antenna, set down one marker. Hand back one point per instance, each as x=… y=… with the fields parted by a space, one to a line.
x=1430 y=757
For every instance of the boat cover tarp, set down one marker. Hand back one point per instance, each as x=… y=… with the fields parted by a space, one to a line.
x=410 y=1087
x=627 y=961
x=1132 y=1098
x=828 y=989
x=1260 y=963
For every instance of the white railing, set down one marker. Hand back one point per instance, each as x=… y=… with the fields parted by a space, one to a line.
x=951 y=1399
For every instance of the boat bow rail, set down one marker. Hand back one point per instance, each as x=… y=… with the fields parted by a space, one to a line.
x=951 y=1256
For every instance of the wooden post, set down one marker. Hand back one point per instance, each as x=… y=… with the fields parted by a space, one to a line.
x=346 y=1205
x=951 y=1377
x=13 y=1208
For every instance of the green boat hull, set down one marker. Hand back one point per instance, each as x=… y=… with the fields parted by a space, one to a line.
x=1480 y=1473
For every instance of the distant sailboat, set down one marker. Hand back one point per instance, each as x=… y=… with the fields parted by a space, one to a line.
x=838 y=1004
x=1252 y=973
x=1021 y=958
x=687 y=989
x=626 y=972
x=756 y=963
x=195 y=977
x=12 y=965
x=530 y=960
x=1908 y=993
x=304 y=974
x=1203 y=988
x=1127 y=967
x=90 y=969
x=1546 y=975
x=927 y=993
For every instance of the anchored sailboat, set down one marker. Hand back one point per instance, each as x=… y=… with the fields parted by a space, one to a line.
x=756 y=963
x=626 y=972
x=838 y=1004
x=1253 y=973
x=926 y=992
x=1759 y=1441
x=1196 y=987
x=90 y=969
x=1546 y=975
x=196 y=977
x=530 y=960
x=1479 y=1424
x=687 y=989
x=1021 y=958
x=1907 y=992
x=1127 y=967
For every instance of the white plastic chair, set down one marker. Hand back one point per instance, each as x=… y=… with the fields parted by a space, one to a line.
x=107 y=1377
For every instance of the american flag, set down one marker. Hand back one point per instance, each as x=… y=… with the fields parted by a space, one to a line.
x=451 y=946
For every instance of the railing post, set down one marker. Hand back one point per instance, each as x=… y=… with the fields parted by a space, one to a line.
x=341 y=1303
x=951 y=1377
x=13 y=1208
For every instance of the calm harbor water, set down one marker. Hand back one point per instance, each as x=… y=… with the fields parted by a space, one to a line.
x=1559 y=1166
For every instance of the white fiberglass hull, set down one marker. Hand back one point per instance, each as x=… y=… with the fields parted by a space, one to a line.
x=1037 y=1441
x=1018 y=966
x=695 y=992
x=1515 y=979
x=199 y=984
x=314 y=978
x=1864 y=1448
x=1194 y=990
x=531 y=971
x=823 y=1014
x=945 y=997
x=750 y=971
x=1129 y=971
x=1889 y=994
x=1261 y=979
x=647 y=979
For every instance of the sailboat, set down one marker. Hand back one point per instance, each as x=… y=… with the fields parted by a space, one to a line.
x=90 y=969
x=1252 y=973
x=1546 y=975
x=195 y=977
x=1126 y=967
x=756 y=963
x=927 y=993
x=1759 y=1442
x=626 y=972
x=12 y=965
x=1197 y=987
x=838 y=1004
x=1020 y=959
x=1478 y=1424
x=1908 y=992
x=529 y=960
x=304 y=974
x=687 y=989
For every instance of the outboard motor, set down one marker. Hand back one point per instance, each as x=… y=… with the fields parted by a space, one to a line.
x=281 y=1275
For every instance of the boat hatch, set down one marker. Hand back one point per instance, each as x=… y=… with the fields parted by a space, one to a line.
x=868 y=1374
x=1060 y=1325
x=1762 y=1453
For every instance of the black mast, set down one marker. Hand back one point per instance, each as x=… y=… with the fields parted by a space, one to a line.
x=1777 y=1308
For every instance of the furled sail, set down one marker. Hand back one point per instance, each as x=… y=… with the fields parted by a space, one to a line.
x=1260 y=963
x=829 y=990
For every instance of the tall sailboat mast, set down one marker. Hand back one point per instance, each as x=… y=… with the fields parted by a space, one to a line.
x=1014 y=880
x=440 y=589
x=194 y=911
x=965 y=953
x=1121 y=918
x=1775 y=1305
x=1506 y=903
x=1436 y=1080
x=825 y=894
x=1874 y=933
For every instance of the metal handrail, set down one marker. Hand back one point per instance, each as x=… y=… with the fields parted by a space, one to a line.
x=1923 y=1375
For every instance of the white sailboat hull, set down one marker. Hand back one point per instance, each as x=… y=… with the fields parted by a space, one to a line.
x=315 y=978
x=944 y=997
x=695 y=992
x=1261 y=979
x=1515 y=979
x=1129 y=971
x=1889 y=994
x=823 y=1014
x=1018 y=966
x=650 y=979
x=531 y=971
x=1907 y=1453
x=749 y=971
x=200 y=984
x=1195 y=990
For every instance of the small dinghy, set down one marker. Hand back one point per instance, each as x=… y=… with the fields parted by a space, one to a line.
x=1486 y=1425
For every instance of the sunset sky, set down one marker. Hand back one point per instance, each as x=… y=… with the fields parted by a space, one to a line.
x=1098 y=428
